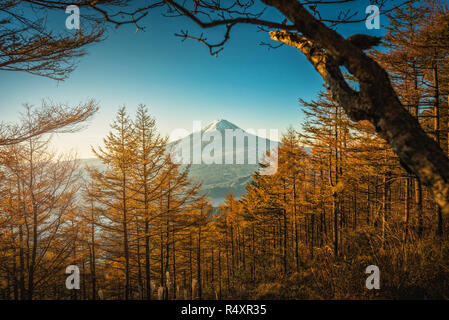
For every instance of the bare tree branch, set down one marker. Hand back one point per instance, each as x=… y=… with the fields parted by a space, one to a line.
x=49 y=118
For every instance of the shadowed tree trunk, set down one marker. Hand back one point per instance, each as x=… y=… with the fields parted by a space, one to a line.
x=327 y=51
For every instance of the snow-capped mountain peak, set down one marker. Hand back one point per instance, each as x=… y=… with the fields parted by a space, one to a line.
x=219 y=125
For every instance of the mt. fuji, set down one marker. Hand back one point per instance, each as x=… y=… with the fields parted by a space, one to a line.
x=241 y=152
x=222 y=142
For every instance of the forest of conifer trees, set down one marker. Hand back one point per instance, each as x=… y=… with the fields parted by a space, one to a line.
x=140 y=228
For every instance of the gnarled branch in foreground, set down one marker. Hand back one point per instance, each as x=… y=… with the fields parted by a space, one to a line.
x=377 y=102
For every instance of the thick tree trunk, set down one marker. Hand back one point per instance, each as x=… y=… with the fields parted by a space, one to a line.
x=384 y=206
x=190 y=264
x=147 y=258
x=93 y=257
x=284 y=245
x=125 y=245
x=295 y=226
x=419 y=200
x=335 y=211
x=312 y=234
x=198 y=264
x=139 y=264
x=33 y=256
x=438 y=132
x=21 y=266
x=174 y=264
x=220 y=295
x=407 y=208
x=376 y=101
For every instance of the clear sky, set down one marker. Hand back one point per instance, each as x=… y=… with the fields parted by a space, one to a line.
x=180 y=82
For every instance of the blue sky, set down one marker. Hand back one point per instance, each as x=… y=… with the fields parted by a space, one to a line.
x=179 y=81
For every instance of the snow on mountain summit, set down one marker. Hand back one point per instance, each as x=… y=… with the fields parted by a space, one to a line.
x=219 y=125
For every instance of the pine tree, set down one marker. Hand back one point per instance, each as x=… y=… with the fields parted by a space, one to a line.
x=113 y=186
x=149 y=175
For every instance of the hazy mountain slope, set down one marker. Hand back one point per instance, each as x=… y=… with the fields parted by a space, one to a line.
x=217 y=180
